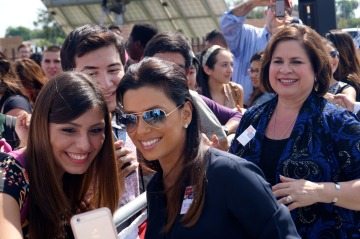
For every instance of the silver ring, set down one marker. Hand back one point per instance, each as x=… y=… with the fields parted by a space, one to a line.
x=288 y=199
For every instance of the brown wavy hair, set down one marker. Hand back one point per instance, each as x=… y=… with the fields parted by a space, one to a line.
x=54 y=201
x=32 y=77
x=9 y=81
x=315 y=50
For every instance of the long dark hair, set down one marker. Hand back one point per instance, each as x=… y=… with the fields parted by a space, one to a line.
x=52 y=201
x=32 y=77
x=9 y=81
x=171 y=79
x=349 y=65
x=207 y=59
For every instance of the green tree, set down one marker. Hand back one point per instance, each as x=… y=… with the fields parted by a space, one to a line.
x=50 y=30
x=346 y=8
x=257 y=13
x=348 y=23
x=23 y=32
x=47 y=32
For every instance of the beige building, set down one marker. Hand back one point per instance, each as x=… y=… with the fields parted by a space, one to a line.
x=9 y=46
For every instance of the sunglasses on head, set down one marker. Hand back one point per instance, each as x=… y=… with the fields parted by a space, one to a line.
x=334 y=53
x=154 y=118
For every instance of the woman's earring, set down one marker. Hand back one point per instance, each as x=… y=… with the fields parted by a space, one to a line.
x=185 y=126
x=316 y=85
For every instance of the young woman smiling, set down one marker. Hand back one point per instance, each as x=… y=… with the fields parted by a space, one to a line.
x=197 y=191
x=70 y=164
x=215 y=78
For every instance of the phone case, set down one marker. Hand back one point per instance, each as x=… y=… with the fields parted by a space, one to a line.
x=95 y=224
x=280 y=8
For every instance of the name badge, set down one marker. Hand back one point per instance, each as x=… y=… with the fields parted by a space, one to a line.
x=247 y=135
x=188 y=199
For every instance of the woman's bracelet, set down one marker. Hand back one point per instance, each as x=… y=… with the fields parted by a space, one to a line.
x=337 y=188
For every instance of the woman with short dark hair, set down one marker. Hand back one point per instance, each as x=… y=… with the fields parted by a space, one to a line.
x=307 y=147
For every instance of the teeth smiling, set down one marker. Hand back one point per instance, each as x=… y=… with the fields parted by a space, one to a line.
x=149 y=142
x=287 y=81
x=77 y=156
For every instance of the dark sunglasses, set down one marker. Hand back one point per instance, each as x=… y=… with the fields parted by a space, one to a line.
x=334 y=53
x=154 y=118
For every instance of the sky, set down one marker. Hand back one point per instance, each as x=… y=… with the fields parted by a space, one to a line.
x=18 y=13
x=24 y=12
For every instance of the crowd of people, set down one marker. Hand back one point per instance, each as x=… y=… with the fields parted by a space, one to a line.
x=257 y=136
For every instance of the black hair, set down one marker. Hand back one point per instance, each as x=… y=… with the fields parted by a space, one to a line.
x=143 y=32
x=216 y=35
x=171 y=79
x=85 y=39
x=169 y=42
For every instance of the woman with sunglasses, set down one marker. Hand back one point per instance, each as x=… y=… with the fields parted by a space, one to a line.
x=349 y=65
x=336 y=87
x=68 y=166
x=197 y=191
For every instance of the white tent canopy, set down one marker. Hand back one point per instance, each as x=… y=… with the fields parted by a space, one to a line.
x=192 y=17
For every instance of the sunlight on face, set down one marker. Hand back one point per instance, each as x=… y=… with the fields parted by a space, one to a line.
x=291 y=74
x=76 y=144
x=105 y=67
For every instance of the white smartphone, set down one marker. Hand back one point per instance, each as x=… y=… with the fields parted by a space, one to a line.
x=280 y=8
x=95 y=224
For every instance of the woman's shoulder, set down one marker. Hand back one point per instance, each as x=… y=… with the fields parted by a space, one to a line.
x=225 y=164
x=332 y=111
x=14 y=179
x=338 y=118
x=235 y=85
x=10 y=167
x=261 y=108
x=7 y=160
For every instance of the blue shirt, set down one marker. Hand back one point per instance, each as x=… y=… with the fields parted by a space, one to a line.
x=244 y=41
x=323 y=147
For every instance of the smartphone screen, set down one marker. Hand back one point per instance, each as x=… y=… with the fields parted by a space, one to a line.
x=280 y=8
x=95 y=224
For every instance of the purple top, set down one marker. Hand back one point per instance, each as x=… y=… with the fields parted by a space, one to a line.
x=222 y=113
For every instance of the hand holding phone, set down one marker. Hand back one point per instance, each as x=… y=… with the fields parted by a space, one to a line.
x=94 y=224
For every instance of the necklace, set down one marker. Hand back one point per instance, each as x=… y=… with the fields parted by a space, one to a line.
x=282 y=135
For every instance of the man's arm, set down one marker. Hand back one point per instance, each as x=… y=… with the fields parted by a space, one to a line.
x=232 y=26
x=243 y=9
